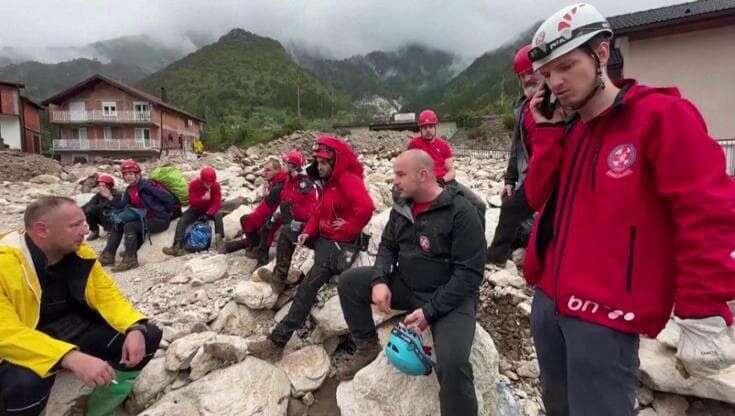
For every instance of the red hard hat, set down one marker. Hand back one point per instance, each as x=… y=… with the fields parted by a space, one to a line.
x=428 y=118
x=294 y=157
x=522 y=62
x=129 y=165
x=208 y=175
x=107 y=180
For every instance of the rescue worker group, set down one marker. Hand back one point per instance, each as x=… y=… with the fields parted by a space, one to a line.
x=630 y=211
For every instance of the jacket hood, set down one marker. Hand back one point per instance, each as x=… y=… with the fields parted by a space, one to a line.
x=345 y=159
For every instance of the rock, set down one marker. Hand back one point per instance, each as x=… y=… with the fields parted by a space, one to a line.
x=504 y=278
x=180 y=353
x=670 y=405
x=150 y=383
x=216 y=353
x=282 y=312
x=231 y=221
x=46 y=179
x=528 y=369
x=66 y=393
x=256 y=295
x=530 y=407
x=647 y=412
x=658 y=372
x=306 y=368
x=380 y=389
x=297 y=407
x=150 y=251
x=252 y=387
x=83 y=198
x=236 y=319
x=207 y=269
x=332 y=322
x=670 y=335
x=507 y=403
x=645 y=396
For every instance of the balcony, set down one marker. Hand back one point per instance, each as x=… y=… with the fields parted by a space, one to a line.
x=95 y=116
x=102 y=144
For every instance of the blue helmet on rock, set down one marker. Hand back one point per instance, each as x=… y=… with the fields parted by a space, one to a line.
x=406 y=352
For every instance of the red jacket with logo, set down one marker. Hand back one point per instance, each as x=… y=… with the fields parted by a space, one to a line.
x=344 y=196
x=256 y=219
x=299 y=198
x=640 y=216
x=197 y=189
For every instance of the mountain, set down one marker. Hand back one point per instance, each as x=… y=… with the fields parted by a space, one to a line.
x=404 y=78
x=485 y=85
x=248 y=88
x=44 y=80
x=46 y=71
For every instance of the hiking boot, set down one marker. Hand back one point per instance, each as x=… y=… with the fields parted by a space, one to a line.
x=364 y=354
x=107 y=258
x=219 y=244
x=175 y=251
x=127 y=263
x=266 y=349
x=269 y=276
x=94 y=235
x=233 y=246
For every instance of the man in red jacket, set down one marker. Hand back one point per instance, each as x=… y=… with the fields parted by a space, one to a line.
x=299 y=199
x=333 y=231
x=205 y=201
x=258 y=226
x=638 y=219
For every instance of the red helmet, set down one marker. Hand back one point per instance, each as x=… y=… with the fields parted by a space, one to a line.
x=428 y=118
x=294 y=157
x=522 y=62
x=108 y=180
x=208 y=175
x=129 y=165
x=323 y=151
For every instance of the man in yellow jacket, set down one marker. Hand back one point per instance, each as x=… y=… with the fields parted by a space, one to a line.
x=59 y=309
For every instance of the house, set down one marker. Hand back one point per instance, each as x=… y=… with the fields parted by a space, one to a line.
x=20 y=121
x=689 y=46
x=103 y=118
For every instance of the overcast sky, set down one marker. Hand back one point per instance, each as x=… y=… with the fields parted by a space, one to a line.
x=339 y=28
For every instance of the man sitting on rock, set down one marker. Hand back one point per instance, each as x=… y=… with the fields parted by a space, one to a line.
x=333 y=232
x=430 y=262
x=299 y=199
x=205 y=201
x=257 y=226
x=98 y=209
x=441 y=153
x=59 y=309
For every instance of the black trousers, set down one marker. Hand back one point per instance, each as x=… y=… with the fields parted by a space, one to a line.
x=133 y=233
x=513 y=213
x=192 y=215
x=285 y=247
x=326 y=264
x=453 y=335
x=24 y=393
x=95 y=218
x=586 y=369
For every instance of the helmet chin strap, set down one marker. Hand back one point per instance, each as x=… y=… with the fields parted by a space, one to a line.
x=599 y=83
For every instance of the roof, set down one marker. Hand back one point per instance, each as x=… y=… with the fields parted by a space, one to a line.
x=13 y=84
x=63 y=95
x=672 y=15
x=31 y=102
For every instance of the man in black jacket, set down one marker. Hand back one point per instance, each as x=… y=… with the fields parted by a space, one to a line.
x=430 y=262
x=515 y=211
x=98 y=209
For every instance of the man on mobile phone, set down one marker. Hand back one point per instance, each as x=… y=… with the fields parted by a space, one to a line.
x=638 y=219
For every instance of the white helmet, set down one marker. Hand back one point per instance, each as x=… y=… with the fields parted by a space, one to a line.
x=568 y=29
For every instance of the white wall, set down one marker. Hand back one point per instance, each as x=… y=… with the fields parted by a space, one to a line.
x=10 y=131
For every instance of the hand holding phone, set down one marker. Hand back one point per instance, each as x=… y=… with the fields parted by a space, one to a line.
x=545 y=107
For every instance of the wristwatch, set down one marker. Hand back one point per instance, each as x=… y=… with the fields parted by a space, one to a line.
x=137 y=327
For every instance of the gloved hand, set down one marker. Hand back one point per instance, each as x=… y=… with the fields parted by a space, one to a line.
x=706 y=346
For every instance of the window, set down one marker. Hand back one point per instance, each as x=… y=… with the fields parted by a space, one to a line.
x=143 y=135
x=109 y=109
x=188 y=122
x=142 y=111
x=109 y=133
x=79 y=133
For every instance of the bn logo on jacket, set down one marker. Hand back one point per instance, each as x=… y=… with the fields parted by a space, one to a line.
x=620 y=159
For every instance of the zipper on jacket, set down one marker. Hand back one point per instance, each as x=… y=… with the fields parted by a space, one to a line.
x=595 y=157
x=631 y=258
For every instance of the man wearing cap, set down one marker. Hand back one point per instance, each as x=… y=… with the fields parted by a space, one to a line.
x=333 y=231
x=637 y=221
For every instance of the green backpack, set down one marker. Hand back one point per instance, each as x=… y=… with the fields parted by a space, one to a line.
x=174 y=181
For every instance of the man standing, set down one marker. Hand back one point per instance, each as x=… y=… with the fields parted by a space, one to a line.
x=515 y=210
x=638 y=219
x=333 y=232
x=299 y=200
x=430 y=262
x=441 y=153
x=60 y=309
x=205 y=201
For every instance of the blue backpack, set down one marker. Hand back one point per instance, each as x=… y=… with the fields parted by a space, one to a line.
x=198 y=237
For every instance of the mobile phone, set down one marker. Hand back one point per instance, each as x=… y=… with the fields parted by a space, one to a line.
x=548 y=104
